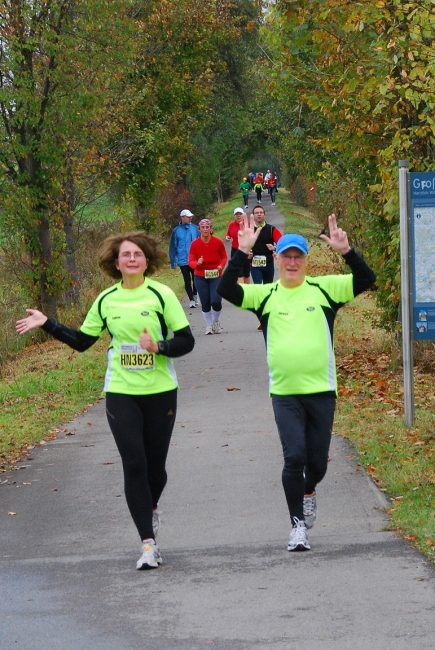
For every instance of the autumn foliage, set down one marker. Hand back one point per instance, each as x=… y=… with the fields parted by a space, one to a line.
x=366 y=69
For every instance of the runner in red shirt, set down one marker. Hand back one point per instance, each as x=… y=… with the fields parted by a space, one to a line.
x=208 y=257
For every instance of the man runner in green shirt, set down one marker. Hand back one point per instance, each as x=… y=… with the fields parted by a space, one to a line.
x=297 y=314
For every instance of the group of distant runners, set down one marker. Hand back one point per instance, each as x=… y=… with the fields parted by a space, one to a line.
x=259 y=183
x=202 y=257
x=148 y=328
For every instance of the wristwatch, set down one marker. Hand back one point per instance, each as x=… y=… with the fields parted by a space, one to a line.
x=162 y=347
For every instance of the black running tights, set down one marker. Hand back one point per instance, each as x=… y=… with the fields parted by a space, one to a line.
x=142 y=427
x=189 y=281
x=305 y=426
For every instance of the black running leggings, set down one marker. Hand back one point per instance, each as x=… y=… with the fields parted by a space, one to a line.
x=305 y=426
x=142 y=427
x=189 y=281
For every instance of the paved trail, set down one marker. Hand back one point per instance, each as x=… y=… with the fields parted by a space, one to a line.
x=67 y=558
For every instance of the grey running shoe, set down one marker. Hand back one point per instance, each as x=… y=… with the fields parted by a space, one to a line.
x=217 y=329
x=156 y=520
x=150 y=558
x=310 y=509
x=196 y=300
x=298 y=537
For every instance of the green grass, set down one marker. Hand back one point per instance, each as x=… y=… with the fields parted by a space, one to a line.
x=370 y=414
x=297 y=218
x=42 y=387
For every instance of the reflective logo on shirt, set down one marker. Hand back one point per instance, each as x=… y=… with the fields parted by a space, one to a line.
x=144 y=313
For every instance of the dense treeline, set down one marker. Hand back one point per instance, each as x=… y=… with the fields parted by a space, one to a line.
x=138 y=102
x=355 y=86
x=154 y=106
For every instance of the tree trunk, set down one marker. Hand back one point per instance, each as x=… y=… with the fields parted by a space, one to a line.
x=72 y=294
x=141 y=215
x=48 y=300
x=219 y=194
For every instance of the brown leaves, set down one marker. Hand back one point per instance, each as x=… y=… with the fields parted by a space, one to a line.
x=367 y=379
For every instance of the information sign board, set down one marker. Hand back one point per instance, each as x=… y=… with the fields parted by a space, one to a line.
x=422 y=195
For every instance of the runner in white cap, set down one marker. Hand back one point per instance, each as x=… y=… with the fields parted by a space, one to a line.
x=181 y=238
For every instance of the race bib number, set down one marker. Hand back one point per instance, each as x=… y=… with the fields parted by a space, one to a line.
x=211 y=273
x=259 y=260
x=133 y=357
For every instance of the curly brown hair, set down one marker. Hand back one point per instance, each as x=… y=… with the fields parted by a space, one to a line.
x=109 y=250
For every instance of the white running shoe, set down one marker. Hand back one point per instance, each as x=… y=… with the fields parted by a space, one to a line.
x=208 y=330
x=298 y=537
x=156 y=520
x=216 y=327
x=310 y=509
x=192 y=303
x=246 y=207
x=196 y=299
x=150 y=558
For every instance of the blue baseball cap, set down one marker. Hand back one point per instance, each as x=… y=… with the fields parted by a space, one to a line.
x=292 y=241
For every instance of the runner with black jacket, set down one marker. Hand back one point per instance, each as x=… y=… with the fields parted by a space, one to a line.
x=297 y=314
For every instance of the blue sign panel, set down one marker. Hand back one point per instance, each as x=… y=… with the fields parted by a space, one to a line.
x=423 y=253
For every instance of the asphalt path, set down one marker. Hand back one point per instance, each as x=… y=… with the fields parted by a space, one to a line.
x=67 y=558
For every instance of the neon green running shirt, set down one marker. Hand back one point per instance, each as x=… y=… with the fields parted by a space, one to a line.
x=125 y=313
x=299 y=343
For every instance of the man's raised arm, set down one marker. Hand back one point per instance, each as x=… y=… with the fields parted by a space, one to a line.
x=363 y=276
x=228 y=286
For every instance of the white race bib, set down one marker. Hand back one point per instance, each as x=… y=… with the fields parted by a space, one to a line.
x=259 y=260
x=133 y=357
x=211 y=273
